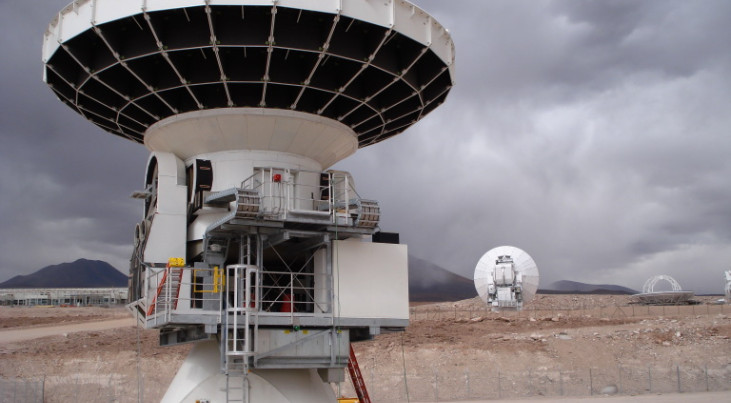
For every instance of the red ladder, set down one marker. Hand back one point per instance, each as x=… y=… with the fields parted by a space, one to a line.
x=177 y=278
x=151 y=308
x=357 y=378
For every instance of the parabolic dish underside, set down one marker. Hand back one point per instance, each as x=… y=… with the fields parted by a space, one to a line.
x=523 y=264
x=376 y=67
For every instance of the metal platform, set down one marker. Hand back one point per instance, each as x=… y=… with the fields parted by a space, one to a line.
x=664 y=297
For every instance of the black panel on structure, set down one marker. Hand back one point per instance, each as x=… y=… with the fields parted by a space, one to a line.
x=386 y=237
x=376 y=81
x=203 y=175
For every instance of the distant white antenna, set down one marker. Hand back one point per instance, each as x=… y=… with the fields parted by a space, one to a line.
x=506 y=277
x=652 y=281
x=674 y=296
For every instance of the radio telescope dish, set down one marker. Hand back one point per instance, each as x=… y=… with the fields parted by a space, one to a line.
x=506 y=277
x=360 y=71
x=244 y=105
x=652 y=297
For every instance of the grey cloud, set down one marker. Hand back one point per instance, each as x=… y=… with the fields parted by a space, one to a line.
x=593 y=135
x=65 y=183
x=569 y=134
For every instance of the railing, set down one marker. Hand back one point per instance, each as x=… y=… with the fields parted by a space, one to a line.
x=435 y=383
x=294 y=294
x=168 y=293
x=241 y=287
x=623 y=311
x=286 y=195
x=22 y=390
x=280 y=293
x=92 y=379
x=280 y=192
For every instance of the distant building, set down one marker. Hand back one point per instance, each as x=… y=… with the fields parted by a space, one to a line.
x=63 y=296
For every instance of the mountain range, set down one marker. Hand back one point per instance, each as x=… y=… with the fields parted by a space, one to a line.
x=574 y=287
x=428 y=282
x=82 y=273
x=431 y=283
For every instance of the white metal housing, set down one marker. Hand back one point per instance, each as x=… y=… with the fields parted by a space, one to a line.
x=506 y=277
x=246 y=236
x=370 y=281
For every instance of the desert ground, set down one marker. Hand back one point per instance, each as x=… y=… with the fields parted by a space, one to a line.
x=557 y=346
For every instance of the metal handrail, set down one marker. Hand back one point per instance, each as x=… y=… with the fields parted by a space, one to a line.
x=281 y=197
x=284 y=300
x=247 y=306
x=160 y=305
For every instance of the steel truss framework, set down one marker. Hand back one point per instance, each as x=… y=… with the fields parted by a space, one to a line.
x=127 y=74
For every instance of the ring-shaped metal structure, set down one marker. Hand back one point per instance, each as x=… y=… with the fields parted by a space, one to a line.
x=649 y=286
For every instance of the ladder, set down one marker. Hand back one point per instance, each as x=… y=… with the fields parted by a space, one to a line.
x=168 y=291
x=236 y=384
x=176 y=279
x=236 y=335
x=357 y=378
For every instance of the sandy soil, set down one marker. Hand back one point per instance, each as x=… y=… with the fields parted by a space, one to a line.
x=86 y=365
x=704 y=397
x=445 y=344
x=13 y=317
x=457 y=351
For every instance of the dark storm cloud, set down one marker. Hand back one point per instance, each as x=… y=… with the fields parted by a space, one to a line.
x=592 y=134
x=65 y=183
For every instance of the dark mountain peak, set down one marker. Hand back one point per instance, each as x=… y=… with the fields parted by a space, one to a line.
x=429 y=282
x=575 y=287
x=82 y=273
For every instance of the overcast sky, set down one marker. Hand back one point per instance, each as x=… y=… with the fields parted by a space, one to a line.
x=594 y=135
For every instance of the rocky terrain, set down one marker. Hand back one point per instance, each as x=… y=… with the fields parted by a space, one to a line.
x=558 y=345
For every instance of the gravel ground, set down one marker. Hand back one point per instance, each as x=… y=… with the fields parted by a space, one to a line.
x=451 y=351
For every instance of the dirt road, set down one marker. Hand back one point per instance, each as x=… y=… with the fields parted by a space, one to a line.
x=21 y=334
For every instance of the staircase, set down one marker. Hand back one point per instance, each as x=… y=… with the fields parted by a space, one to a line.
x=168 y=290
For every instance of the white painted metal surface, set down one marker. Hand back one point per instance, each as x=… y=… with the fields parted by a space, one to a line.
x=371 y=280
x=399 y=15
x=191 y=134
x=128 y=65
x=200 y=378
x=167 y=232
x=650 y=284
x=526 y=272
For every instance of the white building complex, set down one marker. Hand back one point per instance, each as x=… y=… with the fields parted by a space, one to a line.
x=62 y=296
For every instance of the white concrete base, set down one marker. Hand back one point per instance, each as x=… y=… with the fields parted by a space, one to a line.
x=200 y=379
